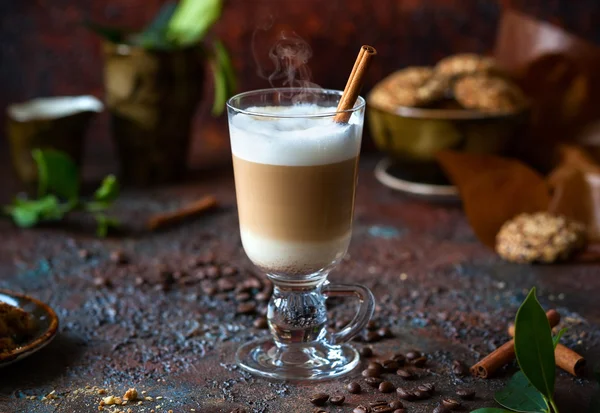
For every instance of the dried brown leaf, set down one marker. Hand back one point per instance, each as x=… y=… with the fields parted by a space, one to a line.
x=494 y=190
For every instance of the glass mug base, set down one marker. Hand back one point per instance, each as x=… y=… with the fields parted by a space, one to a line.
x=314 y=361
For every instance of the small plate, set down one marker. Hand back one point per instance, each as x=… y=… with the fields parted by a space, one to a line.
x=47 y=325
x=384 y=174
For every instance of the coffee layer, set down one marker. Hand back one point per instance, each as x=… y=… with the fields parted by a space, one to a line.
x=296 y=203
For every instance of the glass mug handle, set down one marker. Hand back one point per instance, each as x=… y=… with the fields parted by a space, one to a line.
x=365 y=309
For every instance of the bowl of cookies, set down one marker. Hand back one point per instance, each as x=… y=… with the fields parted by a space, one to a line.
x=464 y=103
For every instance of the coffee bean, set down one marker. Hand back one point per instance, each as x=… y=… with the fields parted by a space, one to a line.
x=239 y=410
x=419 y=362
x=225 y=284
x=413 y=354
x=319 y=399
x=373 y=381
x=451 y=404
x=421 y=395
x=261 y=323
x=371 y=373
x=382 y=409
x=102 y=282
x=465 y=394
x=405 y=394
x=246 y=308
x=405 y=374
x=319 y=410
x=399 y=358
x=459 y=368
x=372 y=325
x=378 y=403
x=372 y=337
x=375 y=365
x=396 y=404
x=361 y=409
x=337 y=400
x=212 y=271
x=366 y=352
x=118 y=257
x=138 y=281
x=353 y=387
x=390 y=366
x=386 y=387
x=427 y=387
x=441 y=409
x=209 y=290
x=252 y=283
x=385 y=332
x=399 y=411
x=229 y=271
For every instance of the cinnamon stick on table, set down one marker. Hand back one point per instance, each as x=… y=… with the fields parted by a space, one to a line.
x=505 y=353
x=354 y=84
x=195 y=208
x=567 y=359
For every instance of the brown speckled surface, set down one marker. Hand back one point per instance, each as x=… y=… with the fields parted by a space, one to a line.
x=454 y=303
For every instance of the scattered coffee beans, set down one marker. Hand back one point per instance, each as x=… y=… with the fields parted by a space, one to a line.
x=261 y=323
x=246 y=308
x=396 y=404
x=372 y=325
x=337 y=400
x=399 y=411
x=465 y=394
x=386 y=387
x=441 y=409
x=371 y=372
x=427 y=387
x=459 y=368
x=419 y=361
x=319 y=410
x=451 y=404
x=390 y=366
x=372 y=337
x=366 y=352
x=385 y=332
x=373 y=381
x=375 y=365
x=405 y=394
x=413 y=354
x=399 y=358
x=353 y=387
x=405 y=374
x=421 y=395
x=361 y=409
x=319 y=399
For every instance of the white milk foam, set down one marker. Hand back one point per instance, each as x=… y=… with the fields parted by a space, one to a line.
x=294 y=141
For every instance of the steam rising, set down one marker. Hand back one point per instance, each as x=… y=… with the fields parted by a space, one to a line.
x=289 y=56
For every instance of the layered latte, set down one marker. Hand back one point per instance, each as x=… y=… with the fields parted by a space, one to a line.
x=295 y=183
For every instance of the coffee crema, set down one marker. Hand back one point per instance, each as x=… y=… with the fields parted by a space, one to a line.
x=295 y=185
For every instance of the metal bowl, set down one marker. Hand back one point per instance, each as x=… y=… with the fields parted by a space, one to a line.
x=413 y=136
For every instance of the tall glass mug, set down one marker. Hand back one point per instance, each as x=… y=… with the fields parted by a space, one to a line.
x=295 y=178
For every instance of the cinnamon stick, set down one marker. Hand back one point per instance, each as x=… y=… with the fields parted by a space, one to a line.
x=567 y=359
x=505 y=353
x=354 y=84
x=167 y=218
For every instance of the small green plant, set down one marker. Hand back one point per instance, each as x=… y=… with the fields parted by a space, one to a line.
x=530 y=390
x=178 y=26
x=58 y=194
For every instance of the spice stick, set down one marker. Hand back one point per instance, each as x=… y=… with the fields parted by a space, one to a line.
x=505 y=353
x=354 y=84
x=195 y=208
x=567 y=359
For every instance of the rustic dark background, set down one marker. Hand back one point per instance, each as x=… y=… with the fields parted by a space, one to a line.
x=45 y=50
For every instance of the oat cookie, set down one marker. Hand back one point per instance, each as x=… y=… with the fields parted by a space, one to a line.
x=15 y=324
x=466 y=63
x=401 y=88
x=434 y=89
x=540 y=237
x=489 y=94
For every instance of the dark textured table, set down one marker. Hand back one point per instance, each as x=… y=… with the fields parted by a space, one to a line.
x=162 y=323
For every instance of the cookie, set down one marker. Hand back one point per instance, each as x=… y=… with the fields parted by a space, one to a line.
x=15 y=324
x=540 y=237
x=434 y=89
x=466 y=63
x=402 y=89
x=489 y=94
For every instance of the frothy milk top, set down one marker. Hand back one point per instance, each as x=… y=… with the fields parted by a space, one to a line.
x=294 y=141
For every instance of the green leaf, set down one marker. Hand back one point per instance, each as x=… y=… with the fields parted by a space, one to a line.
x=155 y=35
x=112 y=34
x=191 y=21
x=108 y=190
x=556 y=338
x=224 y=77
x=57 y=173
x=533 y=345
x=490 y=410
x=27 y=213
x=104 y=223
x=519 y=395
